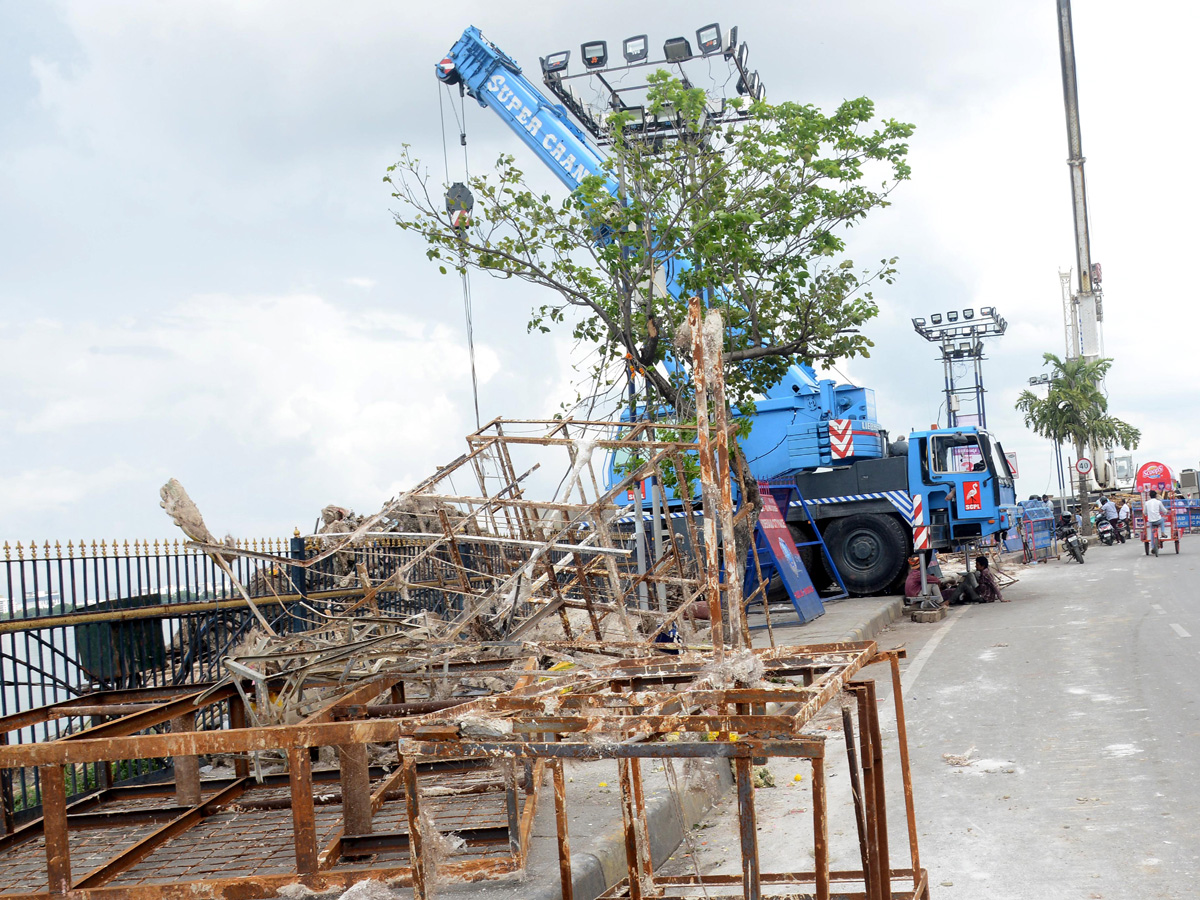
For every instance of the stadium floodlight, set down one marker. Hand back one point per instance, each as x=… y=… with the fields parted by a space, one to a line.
x=709 y=39
x=952 y=316
x=968 y=314
x=635 y=48
x=677 y=49
x=731 y=47
x=556 y=62
x=936 y=318
x=595 y=54
x=918 y=323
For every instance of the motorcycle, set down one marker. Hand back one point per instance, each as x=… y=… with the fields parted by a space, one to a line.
x=1104 y=531
x=1075 y=543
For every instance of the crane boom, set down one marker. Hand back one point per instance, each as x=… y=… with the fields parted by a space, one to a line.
x=1087 y=305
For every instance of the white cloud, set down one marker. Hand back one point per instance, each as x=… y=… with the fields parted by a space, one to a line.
x=34 y=491
x=365 y=283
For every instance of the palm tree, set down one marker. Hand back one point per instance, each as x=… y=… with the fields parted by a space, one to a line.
x=1076 y=410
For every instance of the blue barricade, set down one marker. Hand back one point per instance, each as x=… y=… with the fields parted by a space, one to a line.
x=1037 y=530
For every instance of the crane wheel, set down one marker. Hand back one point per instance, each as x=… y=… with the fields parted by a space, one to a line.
x=868 y=550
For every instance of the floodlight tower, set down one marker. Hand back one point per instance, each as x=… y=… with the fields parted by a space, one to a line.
x=961 y=341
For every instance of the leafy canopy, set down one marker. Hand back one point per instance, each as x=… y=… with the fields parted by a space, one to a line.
x=1075 y=410
x=758 y=210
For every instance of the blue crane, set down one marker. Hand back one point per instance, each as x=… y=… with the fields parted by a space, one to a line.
x=873 y=501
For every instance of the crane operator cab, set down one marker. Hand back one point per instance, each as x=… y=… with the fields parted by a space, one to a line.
x=965 y=482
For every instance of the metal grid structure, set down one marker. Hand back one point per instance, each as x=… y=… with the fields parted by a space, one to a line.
x=244 y=839
x=541 y=648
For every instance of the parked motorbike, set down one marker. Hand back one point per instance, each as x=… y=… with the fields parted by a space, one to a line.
x=1075 y=543
x=1104 y=531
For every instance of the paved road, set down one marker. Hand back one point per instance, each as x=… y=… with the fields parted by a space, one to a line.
x=1080 y=699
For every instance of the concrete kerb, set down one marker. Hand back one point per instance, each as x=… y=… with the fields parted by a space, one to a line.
x=595 y=870
x=879 y=620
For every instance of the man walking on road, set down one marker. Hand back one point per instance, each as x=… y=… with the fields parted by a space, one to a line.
x=1110 y=512
x=1154 y=512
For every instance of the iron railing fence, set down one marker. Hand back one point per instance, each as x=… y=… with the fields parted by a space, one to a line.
x=122 y=615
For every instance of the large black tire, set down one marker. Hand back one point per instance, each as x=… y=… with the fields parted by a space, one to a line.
x=868 y=550
x=1075 y=553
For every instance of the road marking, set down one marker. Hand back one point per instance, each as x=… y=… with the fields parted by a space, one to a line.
x=909 y=677
x=1158 y=609
x=1180 y=630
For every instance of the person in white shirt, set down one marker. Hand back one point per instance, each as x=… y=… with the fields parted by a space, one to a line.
x=1155 y=514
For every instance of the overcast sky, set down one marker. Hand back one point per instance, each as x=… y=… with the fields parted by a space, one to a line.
x=199 y=277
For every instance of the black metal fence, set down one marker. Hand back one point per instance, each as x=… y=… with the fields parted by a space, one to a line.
x=127 y=615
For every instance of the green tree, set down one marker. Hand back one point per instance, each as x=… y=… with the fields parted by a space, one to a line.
x=758 y=210
x=1075 y=410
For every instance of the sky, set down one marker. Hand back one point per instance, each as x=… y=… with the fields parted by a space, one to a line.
x=200 y=277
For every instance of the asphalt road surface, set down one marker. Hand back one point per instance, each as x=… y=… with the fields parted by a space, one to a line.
x=1077 y=704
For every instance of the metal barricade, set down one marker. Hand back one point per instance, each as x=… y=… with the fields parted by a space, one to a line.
x=1037 y=530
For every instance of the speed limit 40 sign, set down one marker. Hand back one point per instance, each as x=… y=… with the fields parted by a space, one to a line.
x=1083 y=466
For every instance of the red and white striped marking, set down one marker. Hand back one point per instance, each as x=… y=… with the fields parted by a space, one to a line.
x=841 y=438
x=920 y=529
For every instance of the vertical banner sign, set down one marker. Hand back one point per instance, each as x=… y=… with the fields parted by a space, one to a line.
x=971 y=498
x=774 y=533
x=1011 y=456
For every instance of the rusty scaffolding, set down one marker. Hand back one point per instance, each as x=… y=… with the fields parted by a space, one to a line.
x=403 y=733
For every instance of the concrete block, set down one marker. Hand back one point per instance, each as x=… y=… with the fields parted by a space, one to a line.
x=929 y=615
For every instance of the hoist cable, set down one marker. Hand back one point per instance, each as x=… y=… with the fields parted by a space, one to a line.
x=466 y=278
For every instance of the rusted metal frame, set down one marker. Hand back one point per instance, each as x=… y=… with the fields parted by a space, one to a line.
x=54 y=823
x=748 y=829
x=561 y=822
x=264 y=886
x=880 y=795
x=860 y=816
x=104 y=702
x=354 y=767
x=497 y=499
x=187 y=768
x=905 y=768
x=873 y=876
x=529 y=809
x=582 y=580
x=708 y=487
x=363 y=693
x=416 y=855
x=683 y=492
x=650 y=576
x=637 y=886
x=552 y=576
x=131 y=856
x=122 y=817
x=643 y=828
x=798 y=747
x=342 y=541
x=163 y=611
x=271 y=737
x=157 y=715
x=820 y=828
x=525 y=527
x=304 y=816
x=455 y=555
x=716 y=880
